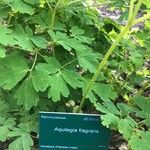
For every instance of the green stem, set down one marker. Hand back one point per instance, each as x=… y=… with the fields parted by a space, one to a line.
x=53 y=14
x=70 y=62
x=142 y=19
x=49 y=5
x=131 y=8
x=101 y=65
x=34 y=62
x=9 y=19
x=53 y=18
x=141 y=122
x=75 y=1
x=54 y=11
x=135 y=12
x=41 y=55
x=108 y=54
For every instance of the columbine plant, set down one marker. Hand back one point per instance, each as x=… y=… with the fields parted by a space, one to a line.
x=60 y=55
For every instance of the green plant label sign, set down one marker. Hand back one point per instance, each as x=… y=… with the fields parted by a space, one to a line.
x=67 y=131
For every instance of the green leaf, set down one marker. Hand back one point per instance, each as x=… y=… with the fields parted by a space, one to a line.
x=147 y=122
x=42 y=18
x=41 y=80
x=140 y=141
x=39 y=41
x=136 y=58
x=110 y=120
x=8 y=38
x=77 y=31
x=104 y=91
x=29 y=122
x=88 y=59
x=124 y=109
x=20 y=6
x=23 y=38
x=4 y=109
x=143 y=103
x=101 y=108
x=59 y=77
x=125 y=128
x=80 y=35
x=61 y=39
x=52 y=65
x=146 y=3
x=2 y=52
x=107 y=107
x=58 y=87
x=26 y=94
x=31 y=1
x=72 y=78
x=66 y=42
x=27 y=40
x=111 y=107
x=4 y=11
x=5 y=127
x=13 y=69
x=23 y=140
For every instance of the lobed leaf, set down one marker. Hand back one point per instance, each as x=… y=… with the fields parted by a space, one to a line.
x=26 y=40
x=58 y=87
x=26 y=94
x=140 y=140
x=23 y=140
x=13 y=69
x=6 y=125
x=20 y=6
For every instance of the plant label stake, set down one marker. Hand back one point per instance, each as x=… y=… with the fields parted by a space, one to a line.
x=72 y=131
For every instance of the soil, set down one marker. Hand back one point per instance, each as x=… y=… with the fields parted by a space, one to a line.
x=117 y=142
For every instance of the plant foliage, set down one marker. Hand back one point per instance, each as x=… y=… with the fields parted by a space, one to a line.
x=50 y=49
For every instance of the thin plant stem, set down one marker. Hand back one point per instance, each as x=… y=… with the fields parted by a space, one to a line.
x=54 y=11
x=135 y=12
x=9 y=19
x=108 y=54
x=53 y=18
x=70 y=62
x=142 y=19
x=49 y=5
x=41 y=55
x=75 y=1
x=34 y=62
x=131 y=8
